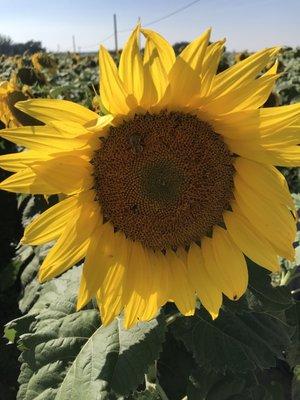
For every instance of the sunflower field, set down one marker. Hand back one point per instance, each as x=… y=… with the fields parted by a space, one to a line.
x=149 y=214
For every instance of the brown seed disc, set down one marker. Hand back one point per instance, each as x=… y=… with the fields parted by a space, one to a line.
x=163 y=179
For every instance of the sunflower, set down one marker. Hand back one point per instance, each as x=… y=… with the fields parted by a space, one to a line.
x=166 y=193
x=6 y=116
x=42 y=61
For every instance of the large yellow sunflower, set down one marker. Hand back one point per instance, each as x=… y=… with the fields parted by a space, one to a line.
x=168 y=191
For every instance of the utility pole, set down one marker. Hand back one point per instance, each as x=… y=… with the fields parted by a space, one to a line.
x=139 y=37
x=116 y=33
x=74 y=44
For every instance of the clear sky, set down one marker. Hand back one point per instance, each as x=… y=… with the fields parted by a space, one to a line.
x=247 y=24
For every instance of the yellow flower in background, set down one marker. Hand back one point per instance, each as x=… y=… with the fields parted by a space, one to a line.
x=42 y=61
x=6 y=115
x=169 y=190
x=10 y=94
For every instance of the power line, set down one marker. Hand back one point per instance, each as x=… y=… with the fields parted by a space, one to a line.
x=146 y=24
x=172 y=13
x=165 y=16
x=97 y=44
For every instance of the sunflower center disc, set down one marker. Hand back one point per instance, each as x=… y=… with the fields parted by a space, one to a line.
x=163 y=179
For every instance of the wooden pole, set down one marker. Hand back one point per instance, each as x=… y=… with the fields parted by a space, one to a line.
x=116 y=33
x=74 y=44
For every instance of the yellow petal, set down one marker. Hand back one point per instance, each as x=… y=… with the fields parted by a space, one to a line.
x=194 y=52
x=251 y=124
x=43 y=138
x=209 y=295
x=165 y=51
x=51 y=223
x=254 y=150
x=99 y=258
x=131 y=66
x=138 y=282
x=180 y=290
x=159 y=57
x=276 y=224
x=251 y=96
x=68 y=174
x=225 y=264
x=114 y=95
x=184 y=85
x=101 y=125
x=18 y=161
x=46 y=110
x=27 y=181
x=244 y=71
x=210 y=65
x=155 y=77
x=254 y=245
x=159 y=287
x=287 y=136
x=70 y=128
x=184 y=76
x=264 y=180
x=72 y=245
x=110 y=296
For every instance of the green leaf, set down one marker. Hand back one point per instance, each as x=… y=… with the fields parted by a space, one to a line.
x=174 y=366
x=210 y=385
x=265 y=297
x=113 y=360
x=293 y=318
x=236 y=342
x=17 y=327
x=149 y=394
x=256 y=393
x=60 y=343
x=54 y=338
x=296 y=383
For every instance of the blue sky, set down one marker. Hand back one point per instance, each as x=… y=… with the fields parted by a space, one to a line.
x=247 y=24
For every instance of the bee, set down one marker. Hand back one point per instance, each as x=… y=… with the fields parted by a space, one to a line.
x=135 y=141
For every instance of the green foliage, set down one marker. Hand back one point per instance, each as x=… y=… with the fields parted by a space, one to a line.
x=68 y=354
x=247 y=341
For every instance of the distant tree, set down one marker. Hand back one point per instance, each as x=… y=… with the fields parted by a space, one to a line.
x=179 y=46
x=30 y=47
x=7 y=46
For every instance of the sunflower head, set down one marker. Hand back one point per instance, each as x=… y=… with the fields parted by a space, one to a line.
x=42 y=61
x=6 y=116
x=166 y=193
x=241 y=56
x=27 y=76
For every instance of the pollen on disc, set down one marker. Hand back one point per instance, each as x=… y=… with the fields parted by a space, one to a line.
x=163 y=179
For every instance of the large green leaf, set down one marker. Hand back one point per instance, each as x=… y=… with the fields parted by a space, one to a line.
x=65 y=351
x=57 y=337
x=293 y=317
x=174 y=367
x=296 y=383
x=265 y=297
x=113 y=360
x=211 y=385
x=148 y=394
x=236 y=342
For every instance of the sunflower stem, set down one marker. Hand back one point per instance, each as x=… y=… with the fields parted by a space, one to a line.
x=285 y=279
x=152 y=381
x=172 y=318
